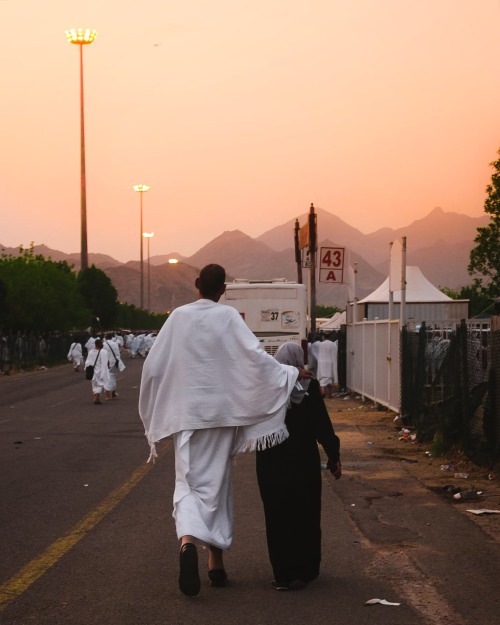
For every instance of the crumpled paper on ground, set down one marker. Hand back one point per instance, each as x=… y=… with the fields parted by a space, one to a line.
x=381 y=601
x=484 y=511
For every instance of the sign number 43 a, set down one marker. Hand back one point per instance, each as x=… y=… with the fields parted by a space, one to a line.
x=331 y=266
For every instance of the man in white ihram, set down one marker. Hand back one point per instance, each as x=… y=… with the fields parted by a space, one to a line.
x=208 y=383
x=326 y=371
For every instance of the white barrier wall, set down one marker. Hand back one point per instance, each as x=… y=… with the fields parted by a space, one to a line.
x=373 y=367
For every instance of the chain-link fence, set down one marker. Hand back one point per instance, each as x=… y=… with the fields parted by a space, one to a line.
x=451 y=386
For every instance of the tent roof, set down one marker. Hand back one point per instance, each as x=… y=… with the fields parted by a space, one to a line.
x=418 y=289
x=334 y=323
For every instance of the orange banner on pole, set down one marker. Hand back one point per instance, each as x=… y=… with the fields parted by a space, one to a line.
x=304 y=237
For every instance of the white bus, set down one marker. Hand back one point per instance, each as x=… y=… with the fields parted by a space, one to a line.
x=275 y=310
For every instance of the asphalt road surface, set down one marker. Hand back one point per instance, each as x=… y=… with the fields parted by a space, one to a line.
x=87 y=535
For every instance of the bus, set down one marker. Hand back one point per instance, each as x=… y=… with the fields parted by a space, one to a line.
x=275 y=310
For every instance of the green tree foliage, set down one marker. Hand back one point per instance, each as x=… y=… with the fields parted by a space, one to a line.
x=38 y=294
x=41 y=295
x=100 y=297
x=450 y=292
x=485 y=256
x=3 y=294
x=132 y=318
x=326 y=311
x=480 y=303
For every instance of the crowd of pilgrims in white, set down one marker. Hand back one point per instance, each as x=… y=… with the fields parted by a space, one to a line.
x=137 y=345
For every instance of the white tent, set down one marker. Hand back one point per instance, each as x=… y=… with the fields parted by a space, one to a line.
x=418 y=289
x=424 y=302
x=334 y=323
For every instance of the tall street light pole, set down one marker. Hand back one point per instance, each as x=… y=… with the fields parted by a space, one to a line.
x=141 y=189
x=82 y=37
x=148 y=236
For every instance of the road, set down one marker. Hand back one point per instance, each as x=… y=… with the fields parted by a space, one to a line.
x=87 y=535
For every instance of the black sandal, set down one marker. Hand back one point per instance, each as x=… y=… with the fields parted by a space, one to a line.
x=189 y=578
x=217 y=577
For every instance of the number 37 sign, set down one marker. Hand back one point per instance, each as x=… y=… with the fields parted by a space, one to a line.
x=331 y=265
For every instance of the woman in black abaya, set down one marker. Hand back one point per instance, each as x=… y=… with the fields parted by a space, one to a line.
x=289 y=478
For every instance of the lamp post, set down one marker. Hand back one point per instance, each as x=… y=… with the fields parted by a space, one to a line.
x=148 y=236
x=141 y=189
x=82 y=37
x=172 y=261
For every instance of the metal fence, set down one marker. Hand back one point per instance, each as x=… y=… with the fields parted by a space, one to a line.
x=26 y=351
x=450 y=385
x=372 y=361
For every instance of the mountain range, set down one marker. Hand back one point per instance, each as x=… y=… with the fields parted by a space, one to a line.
x=439 y=244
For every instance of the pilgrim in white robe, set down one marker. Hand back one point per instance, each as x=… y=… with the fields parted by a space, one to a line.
x=138 y=346
x=327 y=363
x=312 y=360
x=99 y=359
x=149 y=339
x=75 y=355
x=115 y=363
x=90 y=344
x=208 y=382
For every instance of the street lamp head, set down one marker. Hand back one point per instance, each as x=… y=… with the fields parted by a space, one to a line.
x=81 y=36
x=142 y=188
x=148 y=235
x=173 y=261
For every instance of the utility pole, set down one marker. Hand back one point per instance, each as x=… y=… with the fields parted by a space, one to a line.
x=298 y=255
x=312 y=267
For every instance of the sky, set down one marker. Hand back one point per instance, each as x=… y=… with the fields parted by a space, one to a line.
x=240 y=114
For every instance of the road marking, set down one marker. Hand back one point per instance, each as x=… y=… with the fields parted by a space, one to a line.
x=20 y=582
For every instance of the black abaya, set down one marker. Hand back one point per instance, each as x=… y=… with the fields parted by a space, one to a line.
x=289 y=478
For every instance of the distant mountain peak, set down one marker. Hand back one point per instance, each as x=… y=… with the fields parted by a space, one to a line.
x=233 y=234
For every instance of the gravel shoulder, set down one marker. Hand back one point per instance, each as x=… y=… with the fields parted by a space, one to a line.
x=383 y=439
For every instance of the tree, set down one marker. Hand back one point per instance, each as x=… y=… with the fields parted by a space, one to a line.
x=132 y=318
x=485 y=256
x=100 y=297
x=326 y=311
x=38 y=294
x=479 y=302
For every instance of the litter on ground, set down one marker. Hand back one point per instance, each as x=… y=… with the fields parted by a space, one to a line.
x=484 y=511
x=381 y=601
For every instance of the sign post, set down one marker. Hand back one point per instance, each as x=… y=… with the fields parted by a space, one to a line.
x=331 y=265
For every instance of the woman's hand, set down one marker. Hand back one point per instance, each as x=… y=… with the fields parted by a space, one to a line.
x=305 y=374
x=335 y=469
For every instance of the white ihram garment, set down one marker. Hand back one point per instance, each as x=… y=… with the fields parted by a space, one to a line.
x=115 y=363
x=203 y=496
x=75 y=354
x=327 y=363
x=206 y=369
x=101 y=369
x=207 y=381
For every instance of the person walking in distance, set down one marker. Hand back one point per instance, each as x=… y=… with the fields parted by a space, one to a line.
x=98 y=358
x=327 y=372
x=115 y=364
x=75 y=355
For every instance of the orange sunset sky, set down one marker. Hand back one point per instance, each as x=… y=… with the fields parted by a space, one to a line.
x=240 y=113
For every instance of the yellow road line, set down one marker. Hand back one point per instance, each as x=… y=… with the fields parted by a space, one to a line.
x=19 y=583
